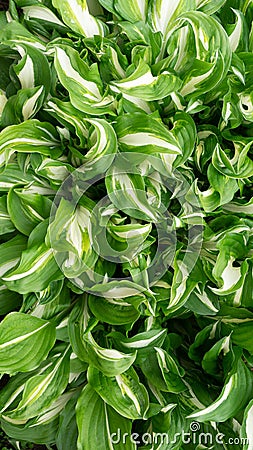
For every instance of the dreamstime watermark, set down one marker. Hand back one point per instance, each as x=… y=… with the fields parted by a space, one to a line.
x=193 y=436
x=143 y=202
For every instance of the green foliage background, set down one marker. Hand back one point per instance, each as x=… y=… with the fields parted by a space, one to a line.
x=90 y=344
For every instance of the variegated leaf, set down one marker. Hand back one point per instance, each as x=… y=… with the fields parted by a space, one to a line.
x=29 y=136
x=27 y=210
x=6 y=225
x=82 y=82
x=143 y=85
x=231 y=398
x=36 y=270
x=76 y=15
x=21 y=333
x=41 y=390
x=69 y=234
x=91 y=410
x=132 y=10
x=114 y=311
x=43 y=14
x=10 y=253
x=164 y=15
x=127 y=193
x=28 y=69
x=143 y=133
x=246 y=431
x=109 y=361
x=123 y=392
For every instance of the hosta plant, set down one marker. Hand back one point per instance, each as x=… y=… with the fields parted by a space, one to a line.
x=126 y=215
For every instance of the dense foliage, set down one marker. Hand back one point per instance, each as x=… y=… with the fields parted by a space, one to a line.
x=126 y=214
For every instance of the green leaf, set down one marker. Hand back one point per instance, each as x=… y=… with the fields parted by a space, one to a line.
x=10 y=253
x=66 y=114
x=240 y=166
x=9 y=301
x=23 y=106
x=30 y=433
x=27 y=210
x=172 y=373
x=142 y=84
x=12 y=174
x=114 y=311
x=141 y=342
x=26 y=335
x=54 y=171
x=210 y=6
x=15 y=32
x=202 y=301
x=132 y=10
x=105 y=422
x=29 y=136
x=143 y=133
x=182 y=284
x=210 y=361
x=184 y=131
x=77 y=324
x=241 y=334
x=238 y=39
x=6 y=225
x=76 y=15
x=82 y=82
x=123 y=392
x=163 y=16
x=109 y=361
x=67 y=432
x=210 y=52
x=127 y=193
x=231 y=400
x=246 y=432
x=102 y=146
x=42 y=14
x=40 y=391
x=126 y=220
x=4 y=78
x=36 y=270
x=43 y=430
x=28 y=69
x=69 y=235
